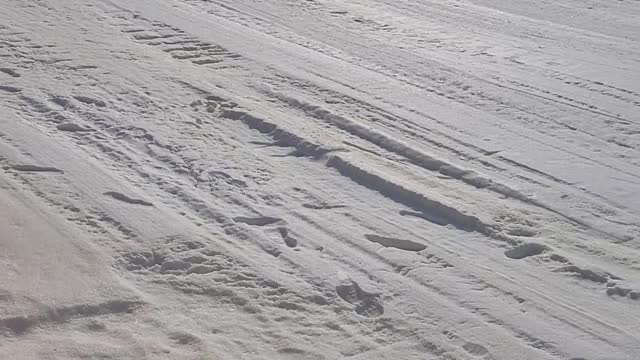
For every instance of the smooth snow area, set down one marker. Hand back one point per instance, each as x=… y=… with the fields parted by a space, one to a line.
x=320 y=179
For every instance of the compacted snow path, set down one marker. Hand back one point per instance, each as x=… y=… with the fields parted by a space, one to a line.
x=319 y=179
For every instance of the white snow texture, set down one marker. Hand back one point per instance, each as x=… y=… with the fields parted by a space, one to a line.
x=320 y=179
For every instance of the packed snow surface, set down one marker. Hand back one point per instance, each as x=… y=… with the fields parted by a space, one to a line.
x=320 y=179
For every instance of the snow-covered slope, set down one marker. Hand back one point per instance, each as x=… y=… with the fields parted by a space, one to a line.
x=319 y=179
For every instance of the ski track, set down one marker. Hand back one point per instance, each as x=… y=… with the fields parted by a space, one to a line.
x=324 y=179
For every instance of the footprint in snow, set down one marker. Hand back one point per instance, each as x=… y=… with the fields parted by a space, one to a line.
x=366 y=304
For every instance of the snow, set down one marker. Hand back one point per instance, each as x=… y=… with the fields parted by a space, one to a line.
x=320 y=179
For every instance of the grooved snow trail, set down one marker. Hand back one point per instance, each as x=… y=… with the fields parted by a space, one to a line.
x=370 y=179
